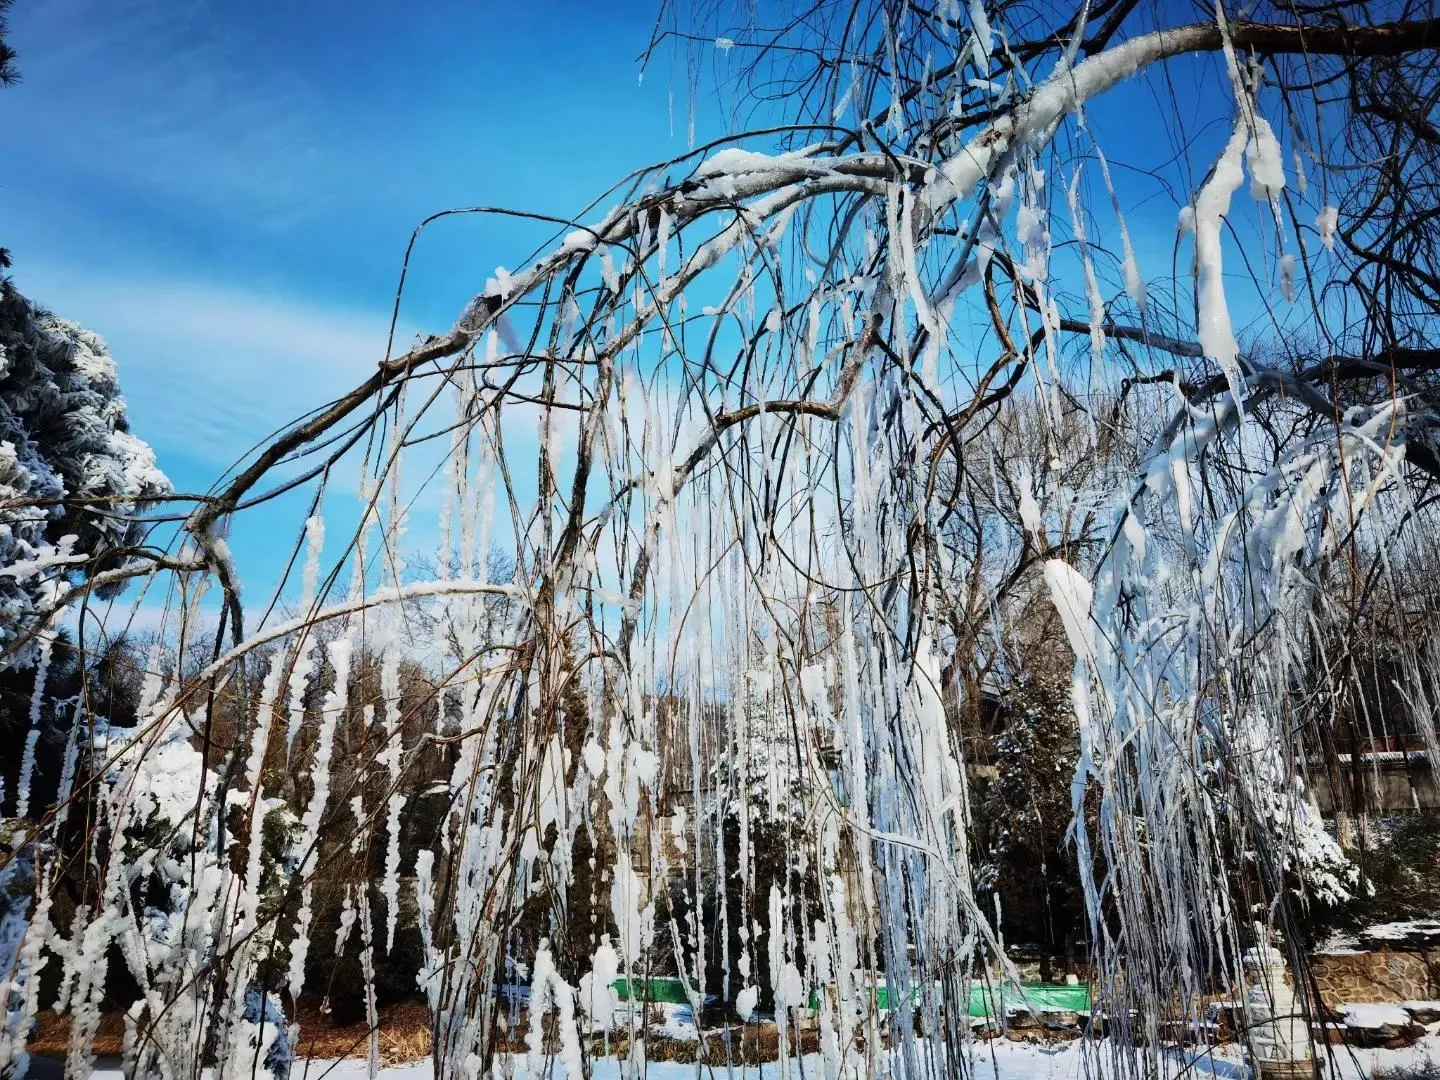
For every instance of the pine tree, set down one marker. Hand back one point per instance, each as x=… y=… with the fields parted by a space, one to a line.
x=9 y=76
x=9 y=73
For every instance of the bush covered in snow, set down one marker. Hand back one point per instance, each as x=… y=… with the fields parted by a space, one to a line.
x=1401 y=866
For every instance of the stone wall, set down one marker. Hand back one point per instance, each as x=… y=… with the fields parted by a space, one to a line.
x=1379 y=976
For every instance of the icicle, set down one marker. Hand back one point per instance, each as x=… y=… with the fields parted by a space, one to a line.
x=780 y=979
x=1266 y=162
x=984 y=37
x=745 y=1002
x=32 y=738
x=346 y=926
x=367 y=972
x=393 y=758
x=429 y=975
x=1212 y=203
x=1325 y=223
x=597 y=987
x=330 y=713
x=1092 y=287
x=242 y=931
x=1130 y=267
x=1287 y=277
x=314 y=545
x=633 y=917
x=548 y=990
x=298 y=684
x=22 y=958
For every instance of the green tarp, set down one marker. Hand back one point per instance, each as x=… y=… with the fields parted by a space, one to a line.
x=1052 y=996
x=669 y=991
x=1043 y=996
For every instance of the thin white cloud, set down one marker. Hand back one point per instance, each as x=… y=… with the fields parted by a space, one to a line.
x=210 y=369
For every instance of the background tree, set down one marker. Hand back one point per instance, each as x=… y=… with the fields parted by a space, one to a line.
x=1027 y=814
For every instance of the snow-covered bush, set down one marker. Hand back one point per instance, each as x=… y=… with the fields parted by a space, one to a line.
x=1401 y=868
x=1285 y=820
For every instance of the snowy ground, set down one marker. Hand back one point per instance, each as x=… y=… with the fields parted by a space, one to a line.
x=998 y=1060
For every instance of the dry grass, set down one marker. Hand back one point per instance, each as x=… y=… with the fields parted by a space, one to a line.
x=52 y=1035
x=404 y=1034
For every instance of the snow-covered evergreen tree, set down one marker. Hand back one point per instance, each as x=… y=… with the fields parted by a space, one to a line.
x=72 y=479
x=72 y=476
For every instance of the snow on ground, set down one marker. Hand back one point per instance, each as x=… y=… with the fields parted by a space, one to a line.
x=1399 y=931
x=1375 y=1016
x=1416 y=932
x=998 y=1060
x=1413 y=932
